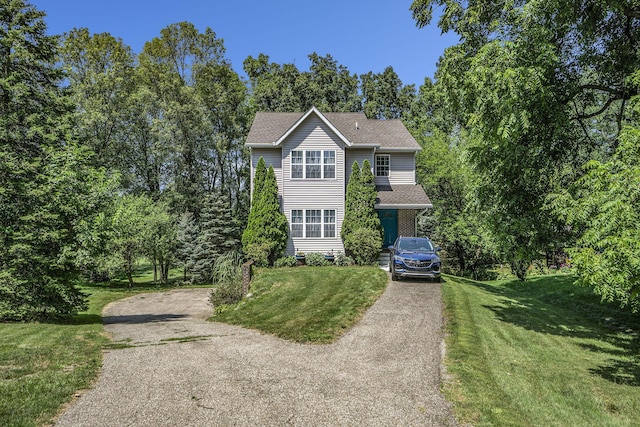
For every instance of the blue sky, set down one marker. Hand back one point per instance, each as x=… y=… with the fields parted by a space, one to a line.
x=363 y=35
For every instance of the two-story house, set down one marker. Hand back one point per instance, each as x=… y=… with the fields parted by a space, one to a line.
x=312 y=154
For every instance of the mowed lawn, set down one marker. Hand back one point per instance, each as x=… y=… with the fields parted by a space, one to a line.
x=307 y=304
x=540 y=353
x=43 y=365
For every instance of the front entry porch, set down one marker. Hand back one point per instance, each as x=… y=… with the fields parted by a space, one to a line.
x=397 y=222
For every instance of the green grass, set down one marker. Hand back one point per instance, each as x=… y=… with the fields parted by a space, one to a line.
x=308 y=304
x=540 y=353
x=43 y=365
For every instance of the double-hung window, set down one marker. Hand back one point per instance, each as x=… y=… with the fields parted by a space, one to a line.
x=312 y=161
x=383 y=162
x=329 y=223
x=297 y=164
x=313 y=223
x=329 y=159
x=313 y=164
x=297 y=223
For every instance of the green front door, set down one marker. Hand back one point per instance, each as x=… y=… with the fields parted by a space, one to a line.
x=389 y=221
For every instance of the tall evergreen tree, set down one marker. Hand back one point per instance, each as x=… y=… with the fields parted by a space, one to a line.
x=349 y=223
x=361 y=232
x=258 y=179
x=370 y=218
x=267 y=231
x=219 y=234
x=45 y=184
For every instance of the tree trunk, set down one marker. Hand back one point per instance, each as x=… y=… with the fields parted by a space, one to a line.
x=165 y=273
x=155 y=271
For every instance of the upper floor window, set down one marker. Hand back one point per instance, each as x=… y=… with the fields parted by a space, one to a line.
x=313 y=164
x=382 y=164
x=297 y=164
x=312 y=161
x=329 y=164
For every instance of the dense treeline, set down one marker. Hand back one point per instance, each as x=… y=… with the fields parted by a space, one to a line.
x=539 y=102
x=529 y=133
x=109 y=156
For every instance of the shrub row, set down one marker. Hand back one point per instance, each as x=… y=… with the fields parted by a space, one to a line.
x=315 y=259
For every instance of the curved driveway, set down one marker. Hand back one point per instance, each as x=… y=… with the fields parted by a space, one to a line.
x=181 y=370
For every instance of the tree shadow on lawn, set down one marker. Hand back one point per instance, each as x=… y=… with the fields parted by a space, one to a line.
x=555 y=305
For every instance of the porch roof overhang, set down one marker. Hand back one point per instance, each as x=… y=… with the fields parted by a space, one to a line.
x=404 y=196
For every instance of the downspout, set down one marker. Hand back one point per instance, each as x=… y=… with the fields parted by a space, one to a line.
x=250 y=179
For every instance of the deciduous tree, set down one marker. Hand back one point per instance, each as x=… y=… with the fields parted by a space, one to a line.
x=100 y=71
x=384 y=95
x=541 y=87
x=327 y=85
x=187 y=232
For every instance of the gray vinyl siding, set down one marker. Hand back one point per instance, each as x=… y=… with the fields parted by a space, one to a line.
x=402 y=169
x=272 y=157
x=322 y=194
x=356 y=155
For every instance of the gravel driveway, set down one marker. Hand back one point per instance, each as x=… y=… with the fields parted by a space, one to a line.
x=184 y=371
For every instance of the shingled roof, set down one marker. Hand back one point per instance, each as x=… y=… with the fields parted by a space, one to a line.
x=268 y=128
x=406 y=196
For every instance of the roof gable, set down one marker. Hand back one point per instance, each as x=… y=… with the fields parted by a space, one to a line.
x=313 y=110
x=269 y=129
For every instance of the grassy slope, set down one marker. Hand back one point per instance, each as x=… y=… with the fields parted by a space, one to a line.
x=540 y=353
x=310 y=304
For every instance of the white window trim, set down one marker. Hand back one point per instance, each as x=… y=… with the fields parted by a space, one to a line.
x=321 y=164
x=297 y=223
x=322 y=223
x=375 y=166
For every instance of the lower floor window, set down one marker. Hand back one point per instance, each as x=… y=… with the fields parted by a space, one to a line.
x=313 y=223
x=329 y=223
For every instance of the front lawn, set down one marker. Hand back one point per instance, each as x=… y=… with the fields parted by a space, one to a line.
x=307 y=304
x=540 y=353
x=42 y=365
